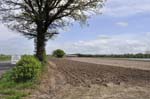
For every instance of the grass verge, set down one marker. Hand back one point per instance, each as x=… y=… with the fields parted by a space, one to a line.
x=13 y=90
x=20 y=82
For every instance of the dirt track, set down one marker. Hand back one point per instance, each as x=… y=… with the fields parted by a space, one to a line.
x=81 y=73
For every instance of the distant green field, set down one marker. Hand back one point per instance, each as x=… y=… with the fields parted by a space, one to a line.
x=5 y=57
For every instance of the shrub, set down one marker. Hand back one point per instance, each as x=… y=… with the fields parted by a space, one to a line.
x=28 y=68
x=59 y=53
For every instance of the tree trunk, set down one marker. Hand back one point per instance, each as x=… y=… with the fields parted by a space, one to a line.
x=40 y=44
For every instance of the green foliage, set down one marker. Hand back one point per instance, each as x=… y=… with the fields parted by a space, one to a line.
x=44 y=58
x=28 y=68
x=12 y=90
x=24 y=76
x=5 y=57
x=34 y=17
x=59 y=53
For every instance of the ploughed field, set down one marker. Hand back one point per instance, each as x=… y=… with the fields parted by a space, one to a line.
x=85 y=73
x=73 y=79
x=143 y=64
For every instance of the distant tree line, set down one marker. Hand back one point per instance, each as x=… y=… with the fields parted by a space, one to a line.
x=4 y=57
x=140 y=55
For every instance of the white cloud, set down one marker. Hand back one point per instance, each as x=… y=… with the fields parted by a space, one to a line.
x=103 y=44
x=107 y=45
x=122 y=24
x=5 y=33
x=12 y=43
x=121 y=8
x=16 y=45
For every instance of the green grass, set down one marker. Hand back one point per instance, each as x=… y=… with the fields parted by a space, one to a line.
x=5 y=57
x=13 y=90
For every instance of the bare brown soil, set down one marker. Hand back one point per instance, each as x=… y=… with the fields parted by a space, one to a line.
x=119 y=62
x=68 y=79
x=81 y=73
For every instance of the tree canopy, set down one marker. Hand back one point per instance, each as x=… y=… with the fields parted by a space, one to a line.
x=41 y=19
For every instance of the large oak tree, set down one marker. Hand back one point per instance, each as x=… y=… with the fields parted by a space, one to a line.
x=41 y=19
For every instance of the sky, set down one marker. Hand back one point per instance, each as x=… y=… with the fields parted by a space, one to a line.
x=123 y=27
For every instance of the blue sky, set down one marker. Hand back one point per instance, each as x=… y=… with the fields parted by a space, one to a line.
x=123 y=27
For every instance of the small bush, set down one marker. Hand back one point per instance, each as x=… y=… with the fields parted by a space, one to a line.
x=59 y=53
x=28 y=68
